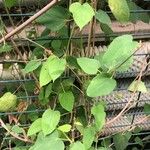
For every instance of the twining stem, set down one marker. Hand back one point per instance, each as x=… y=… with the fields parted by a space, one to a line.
x=27 y=22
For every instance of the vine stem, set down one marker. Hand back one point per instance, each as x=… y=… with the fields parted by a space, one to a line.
x=14 y=134
x=27 y=22
x=121 y=113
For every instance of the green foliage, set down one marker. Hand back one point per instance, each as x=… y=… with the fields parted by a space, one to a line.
x=49 y=142
x=5 y=48
x=82 y=13
x=103 y=17
x=35 y=127
x=69 y=97
x=76 y=146
x=119 y=52
x=147 y=109
x=50 y=120
x=100 y=85
x=88 y=136
x=137 y=86
x=99 y=114
x=51 y=69
x=45 y=77
x=120 y=10
x=10 y=3
x=55 y=66
x=143 y=16
x=55 y=18
x=65 y=128
x=121 y=140
x=91 y=68
x=31 y=66
x=66 y=100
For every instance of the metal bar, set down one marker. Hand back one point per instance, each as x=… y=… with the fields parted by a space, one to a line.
x=14 y=81
x=31 y=14
x=85 y=37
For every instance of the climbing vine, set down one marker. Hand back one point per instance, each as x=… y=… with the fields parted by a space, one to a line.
x=69 y=81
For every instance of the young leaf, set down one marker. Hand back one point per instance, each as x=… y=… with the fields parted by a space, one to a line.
x=66 y=100
x=49 y=142
x=31 y=66
x=120 y=49
x=121 y=140
x=45 y=78
x=120 y=9
x=143 y=16
x=147 y=109
x=35 y=127
x=65 y=128
x=5 y=48
x=82 y=14
x=50 y=120
x=89 y=66
x=77 y=146
x=103 y=17
x=137 y=86
x=55 y=18
x=99 y=115
x=88 y=137
x=17 y=129
x=55 y=66
x=10 y=3
x=100 y=85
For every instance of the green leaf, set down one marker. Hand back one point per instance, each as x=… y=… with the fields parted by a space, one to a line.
x=139 y=141
x=137 y=86
x=10 y=3
x=121 y=140
x=103 y=17
x=55 y=66
x=82 y=14
x=147 y=109
x=5 y=48
x=55 y=18
x=31 y=66
x=48 y=90
x=143 y=16
x=106 y=29
x=88 y=137
x=66 y=100
x=45 y=78
x=120 y=49
x=77 y=146
x=89 y=66
x=65 y=128
x=120 y=9
x=99 y=115
x=100 y=85
x=35 y=127
x=50 y=120
x=17 y=129
x=49 y=142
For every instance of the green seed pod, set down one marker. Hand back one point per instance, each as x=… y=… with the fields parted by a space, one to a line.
x=8 y=102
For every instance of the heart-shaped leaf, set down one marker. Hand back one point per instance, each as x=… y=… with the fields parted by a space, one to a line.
x=56 y=66
x=82 y=14
x=120 y=9
x=45 y=78
x=50 y=119
x=89 y=66
x=100 y=85
x=66 y=100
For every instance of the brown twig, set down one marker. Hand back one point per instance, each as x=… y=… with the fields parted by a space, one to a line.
x=122 y=111
x=27 y=22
